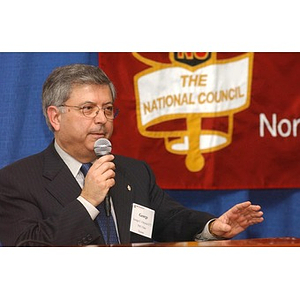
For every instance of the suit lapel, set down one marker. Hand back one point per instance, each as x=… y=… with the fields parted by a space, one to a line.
x=62 y=185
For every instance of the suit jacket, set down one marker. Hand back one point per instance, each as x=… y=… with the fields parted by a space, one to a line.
x=38 y=202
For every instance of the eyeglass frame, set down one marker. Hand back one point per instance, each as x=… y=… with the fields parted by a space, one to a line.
x=116 y=110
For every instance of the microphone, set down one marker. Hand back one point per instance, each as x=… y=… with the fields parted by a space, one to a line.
x=103 y=147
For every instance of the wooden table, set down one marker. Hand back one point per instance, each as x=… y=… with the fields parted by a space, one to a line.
x=264 y=242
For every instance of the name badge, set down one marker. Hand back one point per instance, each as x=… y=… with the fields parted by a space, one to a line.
x=142 y=219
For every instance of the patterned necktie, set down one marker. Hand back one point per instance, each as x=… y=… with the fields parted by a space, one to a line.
x=106 y=224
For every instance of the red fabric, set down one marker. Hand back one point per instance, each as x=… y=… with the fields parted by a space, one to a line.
x=254 y=158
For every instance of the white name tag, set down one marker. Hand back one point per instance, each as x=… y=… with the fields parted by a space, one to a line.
x=142 y=219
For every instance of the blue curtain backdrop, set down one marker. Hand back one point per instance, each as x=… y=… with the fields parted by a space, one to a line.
x=24 y=132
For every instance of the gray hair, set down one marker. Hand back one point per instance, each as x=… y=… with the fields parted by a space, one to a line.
x=59 y=84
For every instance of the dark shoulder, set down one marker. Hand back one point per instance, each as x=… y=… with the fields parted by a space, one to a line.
x=24 y=162
x=29 y=162
x=131 y=165
x=128 y=161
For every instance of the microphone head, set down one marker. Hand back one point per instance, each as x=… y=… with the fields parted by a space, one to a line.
x=102 y=147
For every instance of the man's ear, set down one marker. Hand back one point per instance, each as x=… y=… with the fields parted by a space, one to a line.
x=54 y=116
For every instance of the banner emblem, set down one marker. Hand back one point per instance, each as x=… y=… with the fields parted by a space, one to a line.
x=192 y=88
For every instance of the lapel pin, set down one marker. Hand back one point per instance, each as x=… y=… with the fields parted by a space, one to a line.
x=128 y=187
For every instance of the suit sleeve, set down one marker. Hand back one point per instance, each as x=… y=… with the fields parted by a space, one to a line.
x=173 y=222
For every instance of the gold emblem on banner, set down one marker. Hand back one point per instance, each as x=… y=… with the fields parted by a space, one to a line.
x=192 y=87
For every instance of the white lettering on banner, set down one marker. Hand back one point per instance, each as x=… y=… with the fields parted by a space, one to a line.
x=283 y=128
x=187 y=99
x=212 y=89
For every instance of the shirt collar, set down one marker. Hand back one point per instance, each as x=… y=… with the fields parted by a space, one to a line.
x=73 y=164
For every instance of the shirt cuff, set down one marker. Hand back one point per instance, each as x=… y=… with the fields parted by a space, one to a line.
x=205 y=235
x=91 y=209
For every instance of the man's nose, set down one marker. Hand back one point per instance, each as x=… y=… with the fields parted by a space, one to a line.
x=100 y=117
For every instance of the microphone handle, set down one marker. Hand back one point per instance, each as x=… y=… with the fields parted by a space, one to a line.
x=107 y=206
x=103 y=147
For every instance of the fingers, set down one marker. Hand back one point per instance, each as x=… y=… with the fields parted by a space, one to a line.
x=104 y=167
x=247 y=208
x=103 y=170
x=242 y=206
x=248 y=218
x=250 y=213
x=99 y=179
x=103 y=163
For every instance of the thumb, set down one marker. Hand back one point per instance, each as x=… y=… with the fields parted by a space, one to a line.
x=218 y=228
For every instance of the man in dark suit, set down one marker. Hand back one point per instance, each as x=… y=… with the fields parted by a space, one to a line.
x=48 y=198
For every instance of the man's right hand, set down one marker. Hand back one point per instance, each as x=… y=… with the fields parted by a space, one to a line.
x=99 y=179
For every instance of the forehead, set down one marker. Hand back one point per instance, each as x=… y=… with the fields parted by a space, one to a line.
x=90 y=93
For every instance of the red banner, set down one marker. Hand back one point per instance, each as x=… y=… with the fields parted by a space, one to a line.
x=206 y=120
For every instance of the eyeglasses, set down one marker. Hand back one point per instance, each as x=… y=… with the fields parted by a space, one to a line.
x=91 y=110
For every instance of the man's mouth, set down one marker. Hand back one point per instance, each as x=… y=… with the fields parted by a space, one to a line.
x=97 y=134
